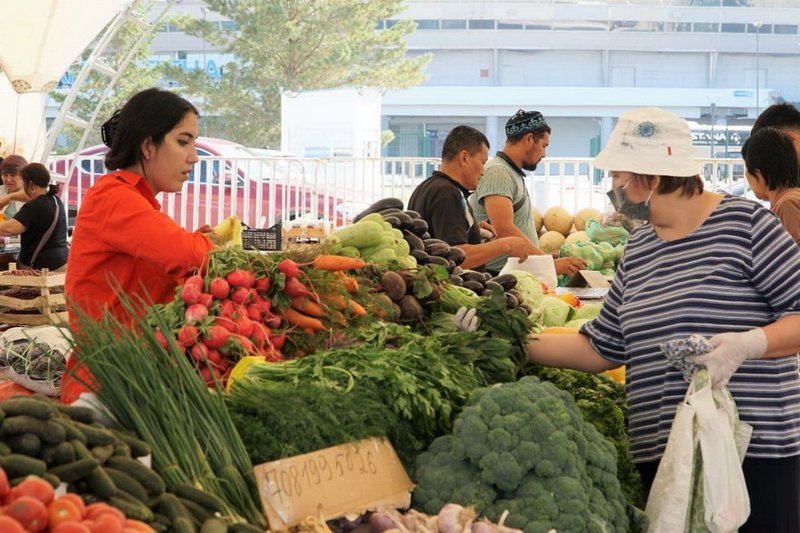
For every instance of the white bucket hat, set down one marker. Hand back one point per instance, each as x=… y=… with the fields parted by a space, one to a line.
x=650 y=141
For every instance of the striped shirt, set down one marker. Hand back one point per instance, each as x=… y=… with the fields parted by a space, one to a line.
x=737 y=271
x=500 y=178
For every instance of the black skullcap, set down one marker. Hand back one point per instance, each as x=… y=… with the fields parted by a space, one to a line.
x=525 y=122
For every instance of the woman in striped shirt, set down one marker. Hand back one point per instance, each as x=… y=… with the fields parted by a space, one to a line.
x=706 y=264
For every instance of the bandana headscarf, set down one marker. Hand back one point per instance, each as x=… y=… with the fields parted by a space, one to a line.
x=525 y=122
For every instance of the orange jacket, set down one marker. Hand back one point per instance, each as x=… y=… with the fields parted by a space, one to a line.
x=121 y=237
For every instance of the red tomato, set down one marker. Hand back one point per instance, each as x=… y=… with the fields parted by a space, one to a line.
x=63 y=510
x=77 y=500
x=35 y=487
x=29 y=512
x=71 y=527
x=9 y=525
x=107 y=523
x=94 y=510
x=5 y=487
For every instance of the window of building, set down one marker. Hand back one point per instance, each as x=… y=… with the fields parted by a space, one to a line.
x=181 y=54
x=379 y=25
x=733 y=28
x=454 y=24
x=391 y=23
x=537 y=27
x=706 y=27
x=480 y=24
x=785 y=29
x=507 y=26
x=763 y=28
x=427 y=24
x=228 y=25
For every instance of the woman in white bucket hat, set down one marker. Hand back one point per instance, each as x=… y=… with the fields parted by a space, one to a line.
x=721 y=267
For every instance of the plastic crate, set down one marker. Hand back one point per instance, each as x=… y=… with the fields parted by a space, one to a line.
x=267 y=240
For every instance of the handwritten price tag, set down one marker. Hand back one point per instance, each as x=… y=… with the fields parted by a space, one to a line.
x=345 y=479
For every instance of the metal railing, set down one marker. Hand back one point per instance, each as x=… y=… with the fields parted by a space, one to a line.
x=266 y=191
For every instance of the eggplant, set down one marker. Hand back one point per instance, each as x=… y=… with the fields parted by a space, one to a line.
x=437 y=260
x=413 y=214
x=442 y=249
x=458 y=271
x=474 y=286
x=394 y=221
x=508 y=281
x=420 y=227
x=511 y=301
x=471 y=275
x=380 y=205
x=457 y=255
x=421 y=256
x=456 y=280
x=424 y=236
x=413 y=241
x=493 y=286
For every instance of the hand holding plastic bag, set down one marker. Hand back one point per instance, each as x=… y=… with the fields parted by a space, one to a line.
x=730 y=350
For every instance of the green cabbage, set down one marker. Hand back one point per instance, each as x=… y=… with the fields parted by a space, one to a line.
x=530 y=288
x=588 y=311
x=557 y=312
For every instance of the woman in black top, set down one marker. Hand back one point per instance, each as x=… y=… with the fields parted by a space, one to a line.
x=41 y=222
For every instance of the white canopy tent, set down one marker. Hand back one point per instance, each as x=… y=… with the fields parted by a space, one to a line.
x=42 y=38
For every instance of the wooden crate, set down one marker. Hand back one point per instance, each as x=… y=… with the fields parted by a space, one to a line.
x=47 y=306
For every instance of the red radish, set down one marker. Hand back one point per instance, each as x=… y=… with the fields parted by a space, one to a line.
x=226 y=322
x=228 y=308
x=196 y=281
x=294 y=287
x=205 y=299
x=219 y=288
x=289 y=268
x=199 y=352
x=245 y=343
x=251 y=278
x=262 y=285
x=216 y=337
x=278 y=341
x=240 y=278
x=272 y=355
x=254 y=312
x=215 y=358
x=260 y=335
x=272 y=320
x=265 y=304
x=244 y=326
x=242 y=295
x=196 y=313
x=188 y=335
x=190 y=294
x=162 y=340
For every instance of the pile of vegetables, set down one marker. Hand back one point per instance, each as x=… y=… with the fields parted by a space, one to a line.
x=451 y=518
x=155 y=392
x=525 y=448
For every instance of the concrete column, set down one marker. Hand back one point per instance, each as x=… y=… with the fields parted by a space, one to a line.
x=490 y=130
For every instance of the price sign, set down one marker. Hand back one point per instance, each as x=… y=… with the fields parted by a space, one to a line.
x=345 y=479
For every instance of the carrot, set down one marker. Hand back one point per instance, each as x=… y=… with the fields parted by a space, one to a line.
x=336 y=300
x=306 y=306
x=356 y=308
x=300 y=320
x=338 y=263
x=350 y=284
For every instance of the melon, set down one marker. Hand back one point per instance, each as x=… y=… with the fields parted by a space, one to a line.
x=551 y=241
x=585 y=214
x=558 y=219
x=577 y=236
x=537 y=221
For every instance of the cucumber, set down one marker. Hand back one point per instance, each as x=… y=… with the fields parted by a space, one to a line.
x=4 y=449
x=159 y=518
x=122 y=450
x=17 y=465
x=150 y=480
x=49 y=432
x=125 y=482
x=198 y=512
x=102 y=453
x=171 y=507
x=72 y=472
x=132 y=509
x=101 y=484
x=183 y=524
x=380 y=205
x=64 y=453
x=43 y=410
x=73 y=433
x=54 y=481
x=96 y=436
x=25 y=443
x=201 y=497
x=76 y=412
x=241 y=527
x=138 y=447
x=214 y=525
x=159 y=527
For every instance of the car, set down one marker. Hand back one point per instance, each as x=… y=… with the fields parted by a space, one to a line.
x=228 y=179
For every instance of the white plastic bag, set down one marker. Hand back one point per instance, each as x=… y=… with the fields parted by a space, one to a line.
x=50 y=339
x=670 y=495
x=700 y=474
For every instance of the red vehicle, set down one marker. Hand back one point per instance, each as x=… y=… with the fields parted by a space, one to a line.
x=228 y=179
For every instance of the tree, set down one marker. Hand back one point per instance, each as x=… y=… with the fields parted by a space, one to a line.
x=138 y=75
x=294 y=45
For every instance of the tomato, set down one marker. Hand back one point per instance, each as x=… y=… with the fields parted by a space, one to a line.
x=94 y=510
x=77 y=500
x=132 y=526
x=63 y=510
x=108 y=523
x=5 y=487
x=29 y=512
x=9 y=525
x=71 y=527
x=35 y=487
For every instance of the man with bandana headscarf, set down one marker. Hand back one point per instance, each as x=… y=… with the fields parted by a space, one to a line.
x=502 y=197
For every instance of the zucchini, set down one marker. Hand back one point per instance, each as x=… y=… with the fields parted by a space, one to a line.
x=72 y=472
x=49 y=432
x=183 y=525
x=139 y=448
x=214 y=525
x=171 y=507
x=76 y=412
x=25 y=443
x=17 y=465
x=100 y=483
x=200 y=497
x=102 y=453
x=132 y=508
x=125 y=482
x=73 y=433
x=199 y=513
x=43 y=410
x=150 y=480
x=241 y=527
x=96 y=436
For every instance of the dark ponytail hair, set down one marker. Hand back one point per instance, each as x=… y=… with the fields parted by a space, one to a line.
x=150 y=113
x=38 y=174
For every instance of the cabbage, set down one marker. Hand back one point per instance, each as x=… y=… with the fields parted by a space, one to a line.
x=593 y=259
x=557 y=312
x=530 y=288
x=577 y=323
x=588 y=311
x=608 y=252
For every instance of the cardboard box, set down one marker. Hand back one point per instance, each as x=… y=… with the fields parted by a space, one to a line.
x=590 y=278
x=349 y=479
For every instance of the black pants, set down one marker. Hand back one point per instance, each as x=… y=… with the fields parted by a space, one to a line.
x=774 y=489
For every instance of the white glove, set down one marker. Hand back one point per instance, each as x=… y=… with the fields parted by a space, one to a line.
x=466 y=319
x=100 y=411
x=730 y=351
